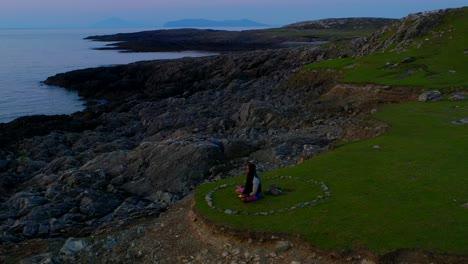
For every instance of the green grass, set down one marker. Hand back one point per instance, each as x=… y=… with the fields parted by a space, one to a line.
x=407 y=194
x=439 y=59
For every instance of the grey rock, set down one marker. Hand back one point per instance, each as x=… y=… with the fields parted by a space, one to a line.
x=73 y=246
x=26 y=200
x=29 y=166
x=30 y=230
x=110 y=244
x=46 y=258
x=274 y=190
x=235 y=251
x=228 y=211
x=43 y=229
x=97 y=204
x=254 y=114
x=48 y=211
x=461 y=121
x=160 y=196
x=237 y=148
x=61 y=164
x=430 y=96
x=282 y=246
x=113 y=163
x=408 y=60
x=170 y=165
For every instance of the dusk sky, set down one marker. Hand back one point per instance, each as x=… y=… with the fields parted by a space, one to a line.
x=82 y=13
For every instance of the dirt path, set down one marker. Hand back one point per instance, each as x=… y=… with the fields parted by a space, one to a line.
x=179 y=236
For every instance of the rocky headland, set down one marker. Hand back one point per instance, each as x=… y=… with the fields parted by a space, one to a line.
x=309 y=32
x=169 y=126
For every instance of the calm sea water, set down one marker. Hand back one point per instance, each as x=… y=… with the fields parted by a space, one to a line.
x=29 y=56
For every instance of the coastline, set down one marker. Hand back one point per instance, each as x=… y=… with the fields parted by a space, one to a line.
x=31 y=55
x=169 y=126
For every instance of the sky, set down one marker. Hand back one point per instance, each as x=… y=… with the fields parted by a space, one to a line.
x=83 y=13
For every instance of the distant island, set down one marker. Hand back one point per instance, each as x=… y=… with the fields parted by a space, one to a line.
x=205 y=23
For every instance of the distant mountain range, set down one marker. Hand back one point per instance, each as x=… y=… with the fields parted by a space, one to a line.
x=205 y=23
x=184 y=23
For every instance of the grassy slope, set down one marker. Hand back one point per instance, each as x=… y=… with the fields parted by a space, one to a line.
x=439 y=60
x=408 y=193
x=320 y=33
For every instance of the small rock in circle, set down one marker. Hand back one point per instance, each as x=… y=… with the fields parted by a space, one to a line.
x=407 y=60
x=430 y=96
x=457 y=97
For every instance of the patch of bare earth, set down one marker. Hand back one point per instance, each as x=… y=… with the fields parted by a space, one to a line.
x=180 y=236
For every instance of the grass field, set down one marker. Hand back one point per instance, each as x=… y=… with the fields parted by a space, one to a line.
x=438 y=60
x=406 y=194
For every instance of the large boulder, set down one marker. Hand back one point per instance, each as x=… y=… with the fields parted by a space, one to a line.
x=254 y=114
x=237 y=148
x=97 y=204
x=173 y=166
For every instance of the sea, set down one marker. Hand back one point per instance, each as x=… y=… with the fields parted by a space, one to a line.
x=29 y=56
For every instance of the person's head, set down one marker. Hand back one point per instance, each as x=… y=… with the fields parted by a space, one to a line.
x=251 y=169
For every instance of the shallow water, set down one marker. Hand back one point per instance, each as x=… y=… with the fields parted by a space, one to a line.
x=29 y=56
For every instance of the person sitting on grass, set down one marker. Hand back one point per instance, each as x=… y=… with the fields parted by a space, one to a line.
x=252 y=190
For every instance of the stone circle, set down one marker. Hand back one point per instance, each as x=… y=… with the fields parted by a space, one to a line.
x=326 y=194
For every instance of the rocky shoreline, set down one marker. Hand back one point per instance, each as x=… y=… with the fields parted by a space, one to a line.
x=168 y=126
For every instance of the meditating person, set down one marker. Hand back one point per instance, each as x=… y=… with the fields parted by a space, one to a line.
x=252 y=190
